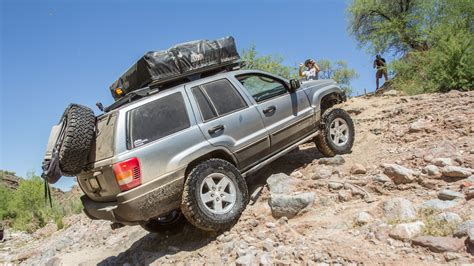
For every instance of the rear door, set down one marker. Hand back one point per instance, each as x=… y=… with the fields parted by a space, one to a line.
x=288 y=117
x=228 y=119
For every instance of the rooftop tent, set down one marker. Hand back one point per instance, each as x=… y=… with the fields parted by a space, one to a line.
x=179 y=61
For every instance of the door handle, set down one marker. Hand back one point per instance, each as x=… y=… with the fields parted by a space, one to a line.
x=215 y=129
x=270 y=109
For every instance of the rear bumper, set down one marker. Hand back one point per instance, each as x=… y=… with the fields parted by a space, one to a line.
x=140 y=204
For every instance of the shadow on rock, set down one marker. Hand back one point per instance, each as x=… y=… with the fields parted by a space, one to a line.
x=154 y=246
x=287 y=164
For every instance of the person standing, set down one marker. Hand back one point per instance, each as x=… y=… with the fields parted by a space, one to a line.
x=312 y=70
x=380 y=65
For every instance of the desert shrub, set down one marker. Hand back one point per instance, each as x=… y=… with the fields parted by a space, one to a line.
x=432 y=39
x=5 y=197
x=446 y=66
x=435 y=226
x=26 y=209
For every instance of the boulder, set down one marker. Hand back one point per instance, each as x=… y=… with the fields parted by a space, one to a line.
x=399 y=174
x=407 y=231
x=439 y=243
x=420 y=125
x=268 y=245
x=399 y=209
x=358 y=169
x=336 y=160
x=470 y=234
x=290 y=205
x=280 y=183
x=443 y=149
x=344 y=195
x=381 y=178
x=335 y=185
x=449 y=217
x=447 y=194
x=463 y=228
x=363 y=218
x=246 y=260
x=441 y=162
x=456 y=172
x=469 y=193
x=438 y=204
x=322 y=173
x=432 y=170
x=265 y=259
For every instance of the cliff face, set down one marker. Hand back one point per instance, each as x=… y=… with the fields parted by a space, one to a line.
x=9 y=179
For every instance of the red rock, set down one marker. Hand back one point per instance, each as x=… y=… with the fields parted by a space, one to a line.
x=439 y=243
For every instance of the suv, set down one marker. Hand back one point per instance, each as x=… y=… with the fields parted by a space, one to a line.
x=188 y=149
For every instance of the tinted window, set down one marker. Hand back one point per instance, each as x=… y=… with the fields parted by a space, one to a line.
x=224 y=96
x=158 y=119
x=207 y=111
x=262 y=87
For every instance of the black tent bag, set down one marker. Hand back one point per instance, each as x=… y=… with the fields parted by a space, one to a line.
x=177 y=62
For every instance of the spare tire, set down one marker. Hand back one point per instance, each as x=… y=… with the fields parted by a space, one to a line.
x=76 y=140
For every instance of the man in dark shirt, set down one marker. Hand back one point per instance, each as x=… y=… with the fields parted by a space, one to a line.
x=380 y=65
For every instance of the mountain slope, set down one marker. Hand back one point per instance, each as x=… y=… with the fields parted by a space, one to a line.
x=352 y=218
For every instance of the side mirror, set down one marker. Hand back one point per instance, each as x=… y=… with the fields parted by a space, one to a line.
x=294 y=85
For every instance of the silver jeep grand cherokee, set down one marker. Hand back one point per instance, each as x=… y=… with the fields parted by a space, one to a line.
x=187 y=150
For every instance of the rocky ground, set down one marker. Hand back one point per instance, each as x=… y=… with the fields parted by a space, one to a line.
x=403 y=196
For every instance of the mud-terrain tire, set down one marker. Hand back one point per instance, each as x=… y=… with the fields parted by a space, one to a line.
x=326 y=141
x=172 y=223
x=210 y=204
x=76 y=139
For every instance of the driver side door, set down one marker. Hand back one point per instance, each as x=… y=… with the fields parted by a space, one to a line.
x=288 y=117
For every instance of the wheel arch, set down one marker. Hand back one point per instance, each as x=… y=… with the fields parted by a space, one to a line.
x=220 y=153
x=328 y=97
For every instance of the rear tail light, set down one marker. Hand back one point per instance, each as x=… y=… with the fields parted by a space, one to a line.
x=127 y=174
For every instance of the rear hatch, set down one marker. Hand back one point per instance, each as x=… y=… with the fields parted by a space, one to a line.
x=98 y=182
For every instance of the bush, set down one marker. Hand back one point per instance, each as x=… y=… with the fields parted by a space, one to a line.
x=5 y=197
x=25 y=208
x=448 y=65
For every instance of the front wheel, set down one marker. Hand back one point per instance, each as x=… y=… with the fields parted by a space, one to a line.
x=337 y=133
x=215 y=195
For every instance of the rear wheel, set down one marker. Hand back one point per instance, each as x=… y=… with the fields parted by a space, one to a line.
x=215 y=195
x=172 y=222
x=337 y=133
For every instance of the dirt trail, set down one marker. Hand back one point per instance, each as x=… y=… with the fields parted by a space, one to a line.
x=409 y=131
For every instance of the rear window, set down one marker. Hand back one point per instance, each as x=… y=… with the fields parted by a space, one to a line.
x=158 y=119
x=103 y=143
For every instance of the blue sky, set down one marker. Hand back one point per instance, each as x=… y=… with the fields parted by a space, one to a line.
x=58 y=52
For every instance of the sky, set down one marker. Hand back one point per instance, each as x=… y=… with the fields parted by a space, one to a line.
x=54 y=53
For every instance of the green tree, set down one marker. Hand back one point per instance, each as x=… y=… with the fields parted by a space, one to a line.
x=5 y=197
x=268 y=63
x=338 y=71
x=433 y=38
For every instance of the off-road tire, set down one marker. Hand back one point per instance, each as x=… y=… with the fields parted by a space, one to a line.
x=193 y=208
x=171 y=227
x=323 y=140
x=77 y=139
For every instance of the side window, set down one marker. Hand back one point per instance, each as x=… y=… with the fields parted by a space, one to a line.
x=158 y=119
x=207 y=110
x=262 y=87
x=218 y=98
